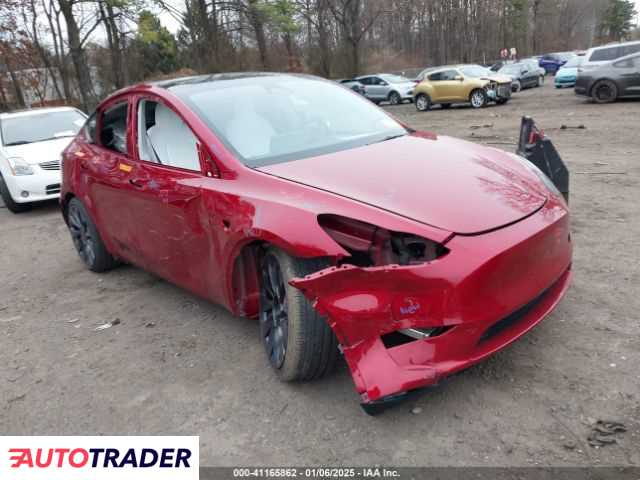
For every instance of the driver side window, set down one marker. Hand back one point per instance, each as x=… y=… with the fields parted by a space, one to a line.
x=164 y=138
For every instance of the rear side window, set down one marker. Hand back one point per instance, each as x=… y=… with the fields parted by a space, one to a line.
x=365 y=81
x=629 y=49
x=113 y=133
x=443 y=76
x=605 y=54
x=90 y=128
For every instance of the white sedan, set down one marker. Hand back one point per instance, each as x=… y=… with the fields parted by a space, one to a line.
x=31 y=144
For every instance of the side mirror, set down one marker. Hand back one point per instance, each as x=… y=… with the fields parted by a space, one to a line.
x=459 y=78
x=384 y=84
x=524 y=71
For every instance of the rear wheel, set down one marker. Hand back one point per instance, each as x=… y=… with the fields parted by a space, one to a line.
x=478 y=98
x=87 y=240
x=395 y=98
x=12 y=206
x=299 y=343
x=423 y=102
x=604 y=91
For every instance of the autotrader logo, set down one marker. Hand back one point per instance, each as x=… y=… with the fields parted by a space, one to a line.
x=100 y=457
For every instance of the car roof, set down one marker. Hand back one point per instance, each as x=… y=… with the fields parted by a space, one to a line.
x=36 y=111
x=613 y=44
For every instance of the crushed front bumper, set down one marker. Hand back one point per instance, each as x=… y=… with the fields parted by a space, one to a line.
x=489 y=290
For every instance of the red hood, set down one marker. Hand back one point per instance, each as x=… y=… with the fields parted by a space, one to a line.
x=443 y=182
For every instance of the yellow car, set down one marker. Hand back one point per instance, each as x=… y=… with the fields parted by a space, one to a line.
x=461 y=84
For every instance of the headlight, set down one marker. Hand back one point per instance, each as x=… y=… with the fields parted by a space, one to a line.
x=19 y=167
x=541 y=175
x=369 y=245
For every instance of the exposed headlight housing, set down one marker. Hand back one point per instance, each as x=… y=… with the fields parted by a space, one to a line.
x=19 y=166
x=369 y=245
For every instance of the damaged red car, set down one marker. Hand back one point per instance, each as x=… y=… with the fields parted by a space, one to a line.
x=294 y=201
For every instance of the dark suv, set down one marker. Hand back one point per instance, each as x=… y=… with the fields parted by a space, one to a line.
x=613 y=80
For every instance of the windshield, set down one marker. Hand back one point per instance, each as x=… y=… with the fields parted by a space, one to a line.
x=512 y=69
x=574 y=62
x=274 y=119
x=395 y=78
x=38 y=127
x=476 y=71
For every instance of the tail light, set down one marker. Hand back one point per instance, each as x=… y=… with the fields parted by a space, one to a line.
x=369 y=245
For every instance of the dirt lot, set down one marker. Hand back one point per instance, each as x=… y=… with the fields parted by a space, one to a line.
x=178 y=365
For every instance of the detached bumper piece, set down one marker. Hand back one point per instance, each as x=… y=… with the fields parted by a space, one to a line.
x=539 y=150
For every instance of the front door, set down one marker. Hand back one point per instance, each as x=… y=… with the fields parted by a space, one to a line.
x=629 y=75
x=168 y=194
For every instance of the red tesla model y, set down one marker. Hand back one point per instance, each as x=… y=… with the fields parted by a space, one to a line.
x=294 y=201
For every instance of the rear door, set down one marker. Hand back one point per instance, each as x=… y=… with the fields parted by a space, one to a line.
x=106 y=172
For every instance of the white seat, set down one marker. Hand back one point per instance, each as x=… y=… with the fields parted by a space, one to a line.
x=249 y=132
x=173 y=141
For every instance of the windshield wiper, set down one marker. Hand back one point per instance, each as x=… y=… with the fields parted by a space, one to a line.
x=19 y=142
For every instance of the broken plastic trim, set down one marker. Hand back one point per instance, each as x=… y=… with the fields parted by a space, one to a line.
x=408 y=335
x=372 y=246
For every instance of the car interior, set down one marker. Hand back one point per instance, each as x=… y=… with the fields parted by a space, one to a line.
x=164 y=138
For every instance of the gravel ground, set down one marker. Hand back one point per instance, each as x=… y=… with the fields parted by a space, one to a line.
x=176 y=364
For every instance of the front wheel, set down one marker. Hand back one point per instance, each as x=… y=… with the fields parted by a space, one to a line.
x=299 y=343
x=395 y=98
x=11 y=205
x=478 y=98
x=423 y=102
x=87 y=240
x=605 y=91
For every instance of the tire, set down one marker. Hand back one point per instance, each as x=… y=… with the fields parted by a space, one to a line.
x=87 y=240
x=395 y=98
x=604 y=91
x=423 y=102
x=478 y=98
x=445 y=106
x=516 y=86
x=12 y=206
x=299 y=343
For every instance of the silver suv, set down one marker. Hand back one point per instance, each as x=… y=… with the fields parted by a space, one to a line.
x=385 y=87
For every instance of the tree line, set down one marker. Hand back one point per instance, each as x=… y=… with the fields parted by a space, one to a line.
x=76 y=51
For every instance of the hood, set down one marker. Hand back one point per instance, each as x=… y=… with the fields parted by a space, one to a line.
x=567 y=72
x=443 y=182
x=498 y=78
x=38 y=152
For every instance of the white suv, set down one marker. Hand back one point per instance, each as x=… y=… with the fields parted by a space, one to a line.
x=31 y=143
x=598 y=56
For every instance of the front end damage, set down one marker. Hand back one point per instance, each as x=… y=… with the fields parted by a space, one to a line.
x=403 y=327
